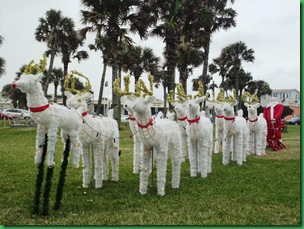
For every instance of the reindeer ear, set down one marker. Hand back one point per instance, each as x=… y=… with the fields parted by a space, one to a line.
x=131 y=97
x=149 y=99
x=246 y=105
x=68 y=94
x=257 y=105
x=123 y=99
x=86 y=95
x=200 y=99
x=234 y=103
x=174 y=103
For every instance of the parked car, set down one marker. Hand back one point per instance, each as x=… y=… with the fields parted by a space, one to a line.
x=294 y=121
x=5 y=116
x=17 y=113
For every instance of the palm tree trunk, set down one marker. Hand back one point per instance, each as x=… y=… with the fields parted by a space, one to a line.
x=103 y=77
x=171 y=50
x=65 y=72
x=55 y=93
x=48 y=76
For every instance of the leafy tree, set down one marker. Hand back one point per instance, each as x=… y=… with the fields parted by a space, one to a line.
x=229 y=63
x=222 y=18
x=107 y=17
x=51 y=30
x=260 y=87
x=137 y=60
x=2 y=61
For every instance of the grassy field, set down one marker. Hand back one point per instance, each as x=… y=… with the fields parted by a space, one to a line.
x=264 y=191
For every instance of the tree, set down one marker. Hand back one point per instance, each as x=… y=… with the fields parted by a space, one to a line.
x=56 y=77
x=137 y=60
x=260 y=87
x=51 y=30
x=222 y=18
x=107 y=17
x=229 y=63
x=2 y=61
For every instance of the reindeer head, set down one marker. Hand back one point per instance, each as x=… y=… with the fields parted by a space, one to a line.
x=76 y=98
x=128 y=105
x=251 y=102
x=139 y=101
x=185 y=103
x=29 y=81
x=227 y=103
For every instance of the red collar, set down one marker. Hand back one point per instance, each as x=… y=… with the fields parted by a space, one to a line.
x=254 y=120
x=229 y=119
x=218 y=116
x=182 y=119
x=132 y=118
x=84 y=114
x=39 y=109
x=194 y=120
x=150 y=123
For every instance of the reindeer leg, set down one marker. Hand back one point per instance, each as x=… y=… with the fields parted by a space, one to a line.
x=136 y=156
x=192 y=157
x=52 y=140
x=144 y=171
x=98 y=165
x=114 y=154
x=76 y=146
x=40 y=141
x=176 y=165
x=161 y=164
x=226 y=148
x=86 y=171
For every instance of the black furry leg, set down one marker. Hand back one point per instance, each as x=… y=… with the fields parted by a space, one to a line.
x=62 y=174
x=39 y=178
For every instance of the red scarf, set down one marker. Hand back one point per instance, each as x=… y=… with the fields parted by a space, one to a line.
x=39 y=109
x=150 y=123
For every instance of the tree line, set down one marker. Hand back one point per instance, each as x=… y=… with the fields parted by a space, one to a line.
x=186 y=28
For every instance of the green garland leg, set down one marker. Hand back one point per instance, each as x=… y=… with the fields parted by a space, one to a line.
x=62 y=175
x=47 y=190
x=39 y=178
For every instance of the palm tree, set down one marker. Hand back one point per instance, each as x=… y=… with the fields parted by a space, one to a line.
x=108 y=17
x=222 y=18
x=56 y=77
x=2 y=61
x=50 y=30
x=229 y=63
x=103 y=44
x=260 y=87
x=137 y=60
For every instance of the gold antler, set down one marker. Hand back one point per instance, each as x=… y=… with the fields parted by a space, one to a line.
x=70 y=78
x=181 y=95
x=116 y=86
x=141 y=87
x=200 y=90
x=170 y=98
x=213 y=98
x=251 y=99
x=221 y=96
x=29 y=69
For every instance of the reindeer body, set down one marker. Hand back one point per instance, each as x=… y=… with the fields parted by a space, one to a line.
x=180 y=109
x=137 y=150
x=50 y=117
x=200 y=139
x=219 y=128
x=161 y=135
x=103 y=135
x=257 y=131
x=235 y=136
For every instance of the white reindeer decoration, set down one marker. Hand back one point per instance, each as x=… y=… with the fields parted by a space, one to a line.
x=257 y=125
x=235 y=131
x=49 y=117
x=160 y=135
x=128 y=106
x=199 y=130
x=100 y=133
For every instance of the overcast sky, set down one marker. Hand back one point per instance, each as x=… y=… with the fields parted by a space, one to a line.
x=270 y=27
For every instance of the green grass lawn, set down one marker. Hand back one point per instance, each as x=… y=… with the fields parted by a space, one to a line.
x=264 y=191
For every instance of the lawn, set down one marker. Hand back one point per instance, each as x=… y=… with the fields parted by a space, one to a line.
x=264 y=191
